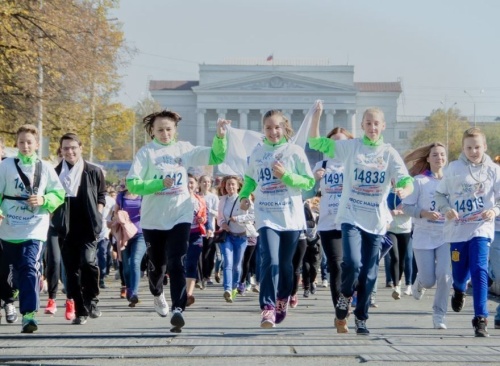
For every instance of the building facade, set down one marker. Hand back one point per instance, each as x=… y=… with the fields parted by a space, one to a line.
x=243 y=93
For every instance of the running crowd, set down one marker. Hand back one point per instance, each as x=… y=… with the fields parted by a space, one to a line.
x=433 y=217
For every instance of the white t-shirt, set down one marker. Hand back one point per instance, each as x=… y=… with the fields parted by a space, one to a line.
x=331 y=190
x=470 y=195
x=276 y=205
x=427 y=234
x=368 y=172
x=106 y=215
x=22 y=221
x=170 y=206
x=212 y=202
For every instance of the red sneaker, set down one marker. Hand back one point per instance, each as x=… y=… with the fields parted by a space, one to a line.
x=51 y=307
x=70 y=310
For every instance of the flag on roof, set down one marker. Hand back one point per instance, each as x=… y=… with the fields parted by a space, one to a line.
x=270 y=57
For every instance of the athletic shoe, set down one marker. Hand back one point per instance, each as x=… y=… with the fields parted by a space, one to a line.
x=342 y=308
x=161 y=306
x=388 y=285
x=210 y=281
x=198 y=285
x=79 y=320
x=341 y=326
x=133 y=301
x=256 y=288
x=281 y=309
x=102 y=284
x=408 y=291
x=361 y=327
x=373 y=302
x=15 y=294
x=69 y=313
x=313 y=288
x=10 y=313
x=480 y=324
x=268 y=317
x=30 y=325
x=51 y=307
x=94 y=311
x=217 y=277
x=177 y=321
x=417 y=290
x=306 y=293
x=234 y=293
x=241 y=288
x=123 y=292
x=396 y=294
x=189 y=300
x=294 y=301
x=497 y=324
x=457 y=300
x=438 y=321
x=324 y=283
x=228 y=296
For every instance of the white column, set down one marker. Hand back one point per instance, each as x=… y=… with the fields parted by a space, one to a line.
x=200 y=127
x=351 y=121
x=262 y=113
x=330 y=120
x=221 y=113
x=243 y=118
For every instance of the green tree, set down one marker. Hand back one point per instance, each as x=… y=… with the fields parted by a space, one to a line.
x=443 y=126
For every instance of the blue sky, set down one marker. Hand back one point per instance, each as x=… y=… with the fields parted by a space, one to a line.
x=437 y=48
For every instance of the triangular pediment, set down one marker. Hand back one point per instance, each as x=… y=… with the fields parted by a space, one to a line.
x=276 y=81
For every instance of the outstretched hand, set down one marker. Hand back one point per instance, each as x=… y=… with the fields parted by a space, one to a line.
x=221 y=127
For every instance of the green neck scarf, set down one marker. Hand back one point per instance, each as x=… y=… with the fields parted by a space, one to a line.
x=161 y=143
x=368 y=142
x=27 y=160
x=280 y=142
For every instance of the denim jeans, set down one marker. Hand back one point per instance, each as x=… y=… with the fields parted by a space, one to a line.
x=494 y=265
x=276 y=274
x=469 y=259
x=25 y=260
x=131 y=260
x=193 y=255
x=359 y=265
x=233 y=250
x=102 y=257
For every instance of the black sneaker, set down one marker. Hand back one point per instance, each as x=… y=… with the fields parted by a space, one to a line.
x=480 y=324
x=342 y=308
x=177 y=321
x=457 y=300
x=497 y=324
x=306 y=293
x=361 y=327
x=79 y=320
x=313 y=288
x=94 y=311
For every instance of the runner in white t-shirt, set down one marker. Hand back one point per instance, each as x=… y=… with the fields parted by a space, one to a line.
x=369 y=167
x=431 y=252
x=277 y=172
x=159 y=174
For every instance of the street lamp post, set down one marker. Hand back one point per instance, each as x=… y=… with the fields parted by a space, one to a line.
x=474 y=103
x=447 y=122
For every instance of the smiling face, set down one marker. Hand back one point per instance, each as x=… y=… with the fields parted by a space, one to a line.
x=164 y=130
x=437 y=158
x=27 y=143
x=205 y=184
x=474 y=148
x=373 y=124
x=273 y=128
x=232 y=186
x=71 y=151
x=192 y=185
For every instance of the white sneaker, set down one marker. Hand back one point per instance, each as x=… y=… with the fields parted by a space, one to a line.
x=438 y=321
x=324 y=283
x=408 y=290
x=417 y=290
x=396 y=294
x=161 y=305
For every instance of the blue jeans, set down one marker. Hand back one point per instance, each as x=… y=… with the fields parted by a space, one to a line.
x=359 y=265
x=193 y=255
x=102 y=257
x=469 y=259
x=276 y=272
x=131 y=261
x=25 y=260
x=232 y=253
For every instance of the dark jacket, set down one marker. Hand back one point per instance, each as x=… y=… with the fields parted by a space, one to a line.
x=93 y=183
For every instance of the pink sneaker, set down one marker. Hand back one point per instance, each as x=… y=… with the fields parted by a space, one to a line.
x=268 y=317
x=294 y=301
x=70 y=310
x=281 y=309
x=51 y=307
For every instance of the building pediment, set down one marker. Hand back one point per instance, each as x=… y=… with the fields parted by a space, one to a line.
x=279 y=82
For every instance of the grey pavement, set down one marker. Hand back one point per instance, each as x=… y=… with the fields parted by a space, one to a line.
x=220 y=333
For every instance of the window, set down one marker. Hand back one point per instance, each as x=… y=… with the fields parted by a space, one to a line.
x=212 y=125
x=403 y=135
x=255 y=125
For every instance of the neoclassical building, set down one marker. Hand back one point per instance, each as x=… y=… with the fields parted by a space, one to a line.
x=243 y=91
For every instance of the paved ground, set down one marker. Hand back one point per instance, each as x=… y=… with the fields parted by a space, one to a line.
x=219 y=333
